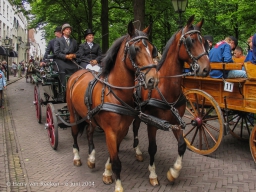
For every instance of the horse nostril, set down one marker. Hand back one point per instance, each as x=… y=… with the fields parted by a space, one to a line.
x=151 y=82
x=205 y=72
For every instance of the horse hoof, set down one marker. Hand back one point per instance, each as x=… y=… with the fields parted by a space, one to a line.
x=90 y=164
x=107 y=180
x=170 y=177
x=139 y=158
x=154 y=181
x=77 y=163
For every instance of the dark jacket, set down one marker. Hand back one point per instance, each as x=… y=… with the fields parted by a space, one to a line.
x=61 y=48
x=85 y=54
x=49 y=48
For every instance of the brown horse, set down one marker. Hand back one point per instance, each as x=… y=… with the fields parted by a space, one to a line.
x=167 y=101
x=106 y=100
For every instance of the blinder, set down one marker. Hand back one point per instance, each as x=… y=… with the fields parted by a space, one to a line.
x=132 y=52
x=154 y=52
x=189 y=42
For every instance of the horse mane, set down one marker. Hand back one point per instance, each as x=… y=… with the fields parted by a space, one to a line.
x=168 y=44
x=166 y=48
x=109 y=59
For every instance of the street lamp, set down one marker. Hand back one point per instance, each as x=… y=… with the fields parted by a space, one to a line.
x=180 y=7
x=7 y=44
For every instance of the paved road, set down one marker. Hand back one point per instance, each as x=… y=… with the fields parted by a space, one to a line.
x=34 y=166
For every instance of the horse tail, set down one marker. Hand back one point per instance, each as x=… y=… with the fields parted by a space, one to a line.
x=82 y=126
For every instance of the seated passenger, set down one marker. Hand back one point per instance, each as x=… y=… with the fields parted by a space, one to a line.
x=238 y=56
x=89 y=53
x=249 y=54
x=222 y=53
x=65 y=48
x=254 y=49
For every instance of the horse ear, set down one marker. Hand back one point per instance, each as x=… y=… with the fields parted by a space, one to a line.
x=200 y=24
x=131 y=29
x=148 y=29
x=190 y=21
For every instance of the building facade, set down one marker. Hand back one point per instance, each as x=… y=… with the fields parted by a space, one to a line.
x=14 y=26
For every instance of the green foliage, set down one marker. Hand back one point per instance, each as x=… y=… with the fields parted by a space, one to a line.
x=221 y=18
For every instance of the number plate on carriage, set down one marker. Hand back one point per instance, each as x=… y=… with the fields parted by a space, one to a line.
x=228 y=86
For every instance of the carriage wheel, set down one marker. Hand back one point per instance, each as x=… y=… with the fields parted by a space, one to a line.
x=253 y=144
x=37 y=103
x=240 y=124
x=204 y=122
x=52 y=126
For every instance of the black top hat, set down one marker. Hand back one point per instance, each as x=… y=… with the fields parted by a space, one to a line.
x=58 y=29
x=209 y=38
x=87 y=32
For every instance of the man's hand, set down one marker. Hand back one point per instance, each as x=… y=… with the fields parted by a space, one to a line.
x=42 y=64
x=93 y=62
x=70 y=56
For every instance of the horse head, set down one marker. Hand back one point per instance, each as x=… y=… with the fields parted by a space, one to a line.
x=139 y=54
x=192 y=48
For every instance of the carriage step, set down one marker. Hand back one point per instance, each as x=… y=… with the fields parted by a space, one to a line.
x=158 y=123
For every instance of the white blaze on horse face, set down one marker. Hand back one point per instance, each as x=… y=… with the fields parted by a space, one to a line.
x=108 y=169
x=91 y=157
x=148 y=50
x=175 y=171
x=76 y=154
x=152 y=170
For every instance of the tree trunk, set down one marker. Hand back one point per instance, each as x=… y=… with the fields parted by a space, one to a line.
x=138 y=14
x=104 y=24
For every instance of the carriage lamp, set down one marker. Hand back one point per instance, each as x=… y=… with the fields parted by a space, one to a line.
x=180 y=7
x=7 y=44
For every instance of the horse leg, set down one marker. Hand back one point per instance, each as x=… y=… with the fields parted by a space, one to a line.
x=91 y=158
x=174 y=171
x=152 y=149
x=75 y=130
x=136 y=126
x=107 y=175
x=113 y=141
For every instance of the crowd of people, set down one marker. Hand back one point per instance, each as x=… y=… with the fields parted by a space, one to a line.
x=228 y=51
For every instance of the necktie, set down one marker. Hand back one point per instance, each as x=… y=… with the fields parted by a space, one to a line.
x=90 y=45
x=67 y=41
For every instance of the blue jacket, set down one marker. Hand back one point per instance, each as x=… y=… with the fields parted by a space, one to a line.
x=220 y=53
x=248 y=56
x=254 y=48
x=2 y=81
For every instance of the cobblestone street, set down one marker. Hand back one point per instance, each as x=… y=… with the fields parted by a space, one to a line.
x=28 y=163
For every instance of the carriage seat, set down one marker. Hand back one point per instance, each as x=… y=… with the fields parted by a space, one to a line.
x=223 y=66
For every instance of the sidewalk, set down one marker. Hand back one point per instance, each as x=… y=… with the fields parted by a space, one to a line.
x=10 y=166
x=13 y=79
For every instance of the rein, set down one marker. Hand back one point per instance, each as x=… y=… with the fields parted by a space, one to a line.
x=104 y=82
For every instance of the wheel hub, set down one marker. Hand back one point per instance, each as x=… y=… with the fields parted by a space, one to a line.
x=197 y=122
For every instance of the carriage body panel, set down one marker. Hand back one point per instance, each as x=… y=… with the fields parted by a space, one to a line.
x=241 y=102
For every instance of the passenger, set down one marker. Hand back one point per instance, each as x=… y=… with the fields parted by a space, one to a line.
x=209 y=39
x=65 y=48
x=222 y=53
x=249 y=54
x=254 y=49
x=89 y=53
x=50 y=46
x=238 y=55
